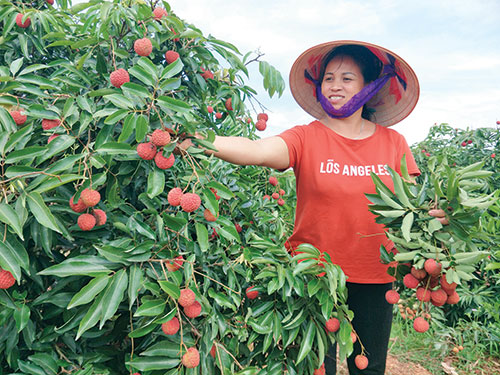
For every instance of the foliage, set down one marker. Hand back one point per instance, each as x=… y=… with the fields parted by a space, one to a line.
x=93 y=302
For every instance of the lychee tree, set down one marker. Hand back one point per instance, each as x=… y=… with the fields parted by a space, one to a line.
x=113 y=217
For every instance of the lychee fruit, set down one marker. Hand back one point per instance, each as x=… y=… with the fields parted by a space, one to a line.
x=320 y=371
x=423 y=294
x=275 y=195
x=90 y=197
x=273 y=180
x=119 y=77
x=20 y=23
x=410 y=281
x=190 y=202
x=392 y=297
x=213 y=351
x=171 y=56
x=207 y=74
x=160 y=137
x=191 y=358
x=174 y=196
x=332 y=325
x=361 y=361
x=171 y=327
x=162 y=162
x=186 y=298
x=210 y=109
x=79 y=206
x=263 y=116
x=432 y=267
x=100 y=216
x=354 y=338
x=280 y=202
x=174 y=264
x=146 y=150
x=281 y=192
x=51 y=2
x=420 y=324
x=159 y=13
x=52 y=137
x=19 y=117
x=266 y=197
x=49 y=124
x=6 y=279
x=438 y=297
x=143 y=47
x=86 y=221
x=193 y=311
x=261 y=125
x=453 y=298
x=218 y=115
x=419 y=274
x=209 y=216
x=228 y=104
x=449 y=288
x=238 y=227
x=251 y=294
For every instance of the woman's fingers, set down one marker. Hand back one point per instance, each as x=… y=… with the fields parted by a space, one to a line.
x=440 y=216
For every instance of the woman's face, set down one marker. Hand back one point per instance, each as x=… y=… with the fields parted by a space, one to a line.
x=342 y=80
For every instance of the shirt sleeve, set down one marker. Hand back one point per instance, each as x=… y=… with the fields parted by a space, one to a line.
x=294 y=138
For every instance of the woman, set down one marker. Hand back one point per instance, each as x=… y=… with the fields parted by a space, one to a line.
x=356 y=90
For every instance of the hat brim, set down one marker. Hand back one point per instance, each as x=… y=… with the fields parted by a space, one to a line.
x=390 y=105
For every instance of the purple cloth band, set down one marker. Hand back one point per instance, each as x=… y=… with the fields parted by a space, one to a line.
x=358 y=100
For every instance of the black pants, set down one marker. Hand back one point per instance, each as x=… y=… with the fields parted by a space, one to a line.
x=372 y=322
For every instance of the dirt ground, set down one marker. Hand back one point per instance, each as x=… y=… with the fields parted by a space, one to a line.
x=394 y=367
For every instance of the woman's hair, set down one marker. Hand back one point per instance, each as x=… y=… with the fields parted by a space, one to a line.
x=368 y=63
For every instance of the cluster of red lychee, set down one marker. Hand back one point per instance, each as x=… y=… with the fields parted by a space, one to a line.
x=207 y=74
x=189 y=202
x=467 y=142
x=89 y=198
x=278 y=194
x=210 y=109
x=154 y=149
x=431 y=286
x=6 y=279
x=20 y=118
x=261 y=123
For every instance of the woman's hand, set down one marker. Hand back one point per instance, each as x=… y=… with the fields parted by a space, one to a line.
x=440 y=215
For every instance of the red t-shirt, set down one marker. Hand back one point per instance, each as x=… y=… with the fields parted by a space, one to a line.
x=332 y=175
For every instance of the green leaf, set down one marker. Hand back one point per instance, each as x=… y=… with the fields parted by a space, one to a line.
x=79 y=265
x=202 y=236
x=9 y=216
x=21 y=316
x=170 y=288
x=7 y=121
x=120 y=101
x=116 y=148
x=307 y=340
x=151 y=308
x=141 y=128
x=91 y=317
x=156 y=182
x=30 y=152
x=16 y=65
x=142 y=75
x=130 y=88
x=113 y=295
x=172 y=69
x=175 y=105
x=41 y=212
x=134 y=284
x=406 y=226
x=89 y=291
x=153 y=363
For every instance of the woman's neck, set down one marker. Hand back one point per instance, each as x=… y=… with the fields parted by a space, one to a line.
x=352 y=127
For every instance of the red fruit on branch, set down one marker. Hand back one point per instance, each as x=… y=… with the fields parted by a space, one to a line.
x=438 y=297
x=410 y=281
x=420 y=324
x=228 y=104
x=143 y=47
x=207 y=74
x=20 y=23
x=361 y=361
x=171 y=327
x=209 y=216
x=6 y=279
x=263 y=116
x=419 y=274
x=79 y=206
x=186 y=298
x=191 y=358
x=332 y=325
x=171 y=56
x=162 y=162
x=160 y=138
x=86 y=222
x=90 y=197
x=423 y=294
x=146 y=150
x=19 y=117
x=49 y=124
x=261 y=125
x=119 y=77
x=159 y=13
x=273 y=180
x=174 y=196
x=251 y=294
x=174 y=264
x=100 y=217
x=392 y=297
x=193 y=311
x=432 y=267
x=190 y=202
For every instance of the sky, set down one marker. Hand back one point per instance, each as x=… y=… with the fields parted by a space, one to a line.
x=452 y=45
